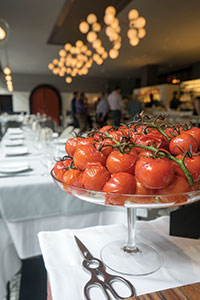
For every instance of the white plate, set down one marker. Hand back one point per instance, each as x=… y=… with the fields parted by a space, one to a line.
x=10 y=143
x=16 y=151
x=14 y=167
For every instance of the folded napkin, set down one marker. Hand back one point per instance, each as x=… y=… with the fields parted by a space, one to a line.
x=67 y=277
x=10 y=143
x=14 y=130
x=14 y=167
x=16 y=136
x=16 y=151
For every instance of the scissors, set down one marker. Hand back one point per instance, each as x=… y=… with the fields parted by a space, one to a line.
x=99 y=276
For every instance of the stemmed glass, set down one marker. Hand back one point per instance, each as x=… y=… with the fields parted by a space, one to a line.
x=129 y=256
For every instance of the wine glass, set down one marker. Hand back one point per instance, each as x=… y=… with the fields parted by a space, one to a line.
x=129 y=256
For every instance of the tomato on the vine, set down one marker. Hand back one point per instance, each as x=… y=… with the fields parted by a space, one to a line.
x=193 y=166
x=105 y=146
x=86 y=154
x=177 y=186
x=60 y=168
x=71 y=145
x=94 y=177
x=72 y=177
x=154 y=173
x=183 y=143
x=121 y=162
x=195 y=132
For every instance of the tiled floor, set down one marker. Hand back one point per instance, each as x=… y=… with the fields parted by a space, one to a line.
x=15 y=287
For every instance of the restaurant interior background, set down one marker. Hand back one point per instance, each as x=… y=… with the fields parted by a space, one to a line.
x=165 y=60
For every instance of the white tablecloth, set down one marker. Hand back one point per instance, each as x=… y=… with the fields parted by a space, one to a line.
x=63 y=260
x=34 y=203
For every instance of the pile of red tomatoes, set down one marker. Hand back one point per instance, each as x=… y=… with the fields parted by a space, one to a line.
x=134 y=161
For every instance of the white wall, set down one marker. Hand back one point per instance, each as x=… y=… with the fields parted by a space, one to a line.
x=21 y=100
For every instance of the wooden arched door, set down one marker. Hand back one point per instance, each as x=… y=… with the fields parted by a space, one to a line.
x=46 y=99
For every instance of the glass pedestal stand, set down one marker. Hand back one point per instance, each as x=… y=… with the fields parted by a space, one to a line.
x=129 y=257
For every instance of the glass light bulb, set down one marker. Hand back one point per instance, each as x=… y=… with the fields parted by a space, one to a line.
x=134 y=42
x=50 y=66
x=67 y=46
x=55 y=61
x=96 y=27
x=100 y=50
x=141 y=33
x=117 y=45
x=88 y=53
x=84 y=27
x=132 y=33
x=109 y=31
x=113 y=53
x=115 y=23
x=2 y=34
x=68 y=79
x=108 y=19
x=7 y=71
x=61 y=73
x=56 y=71
x=140 y=22
x=96 y=57
x=99 y=61
x=105 y=55
x=8 y=77
x=62 y=52
x=91 y=36
x=84 y=49
x=79 y=43
x=96 y=44
x=91 y=18
x=133 y=14
x=110 y=10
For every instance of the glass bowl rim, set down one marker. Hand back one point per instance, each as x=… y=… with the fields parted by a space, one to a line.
x=122 y=195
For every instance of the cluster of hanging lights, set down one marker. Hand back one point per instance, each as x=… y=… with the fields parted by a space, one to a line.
x=8 y=77
x=78 y=59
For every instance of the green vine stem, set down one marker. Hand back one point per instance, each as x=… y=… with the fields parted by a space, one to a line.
x=179 y=162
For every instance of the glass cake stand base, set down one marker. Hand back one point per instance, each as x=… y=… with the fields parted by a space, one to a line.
x=143 y=261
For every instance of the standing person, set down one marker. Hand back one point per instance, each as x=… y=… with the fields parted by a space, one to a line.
x=82 y=112
x=134 y=107
x=102 y=110
x=73 y=110
x=115 y=104
x=196 y=110
x=175 y=102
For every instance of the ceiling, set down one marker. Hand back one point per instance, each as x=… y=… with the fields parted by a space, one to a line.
x=172 y=39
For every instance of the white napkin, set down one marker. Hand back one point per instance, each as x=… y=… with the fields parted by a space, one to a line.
x=16 y=137
x=63 y=259
x=14 y=167
x=16 y=151
x=14 y=130
x=17 y=142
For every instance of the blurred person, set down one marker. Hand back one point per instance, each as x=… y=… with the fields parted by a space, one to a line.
x=134 y=107
x=196 y=110
x=115 y=104
x=82 y=112
x=73 y=110
x=102 y=110
x=175 y=102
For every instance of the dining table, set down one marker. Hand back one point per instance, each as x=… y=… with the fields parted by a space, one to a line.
x=30 y=202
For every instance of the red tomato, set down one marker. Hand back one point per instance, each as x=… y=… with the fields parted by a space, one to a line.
x=178 y=185
x=120 y=162
x=145 y=153
x=72 y=177
x=87 y=153
x=154 y=173
x=121 y=183
x=99 y=136
x=195 y=132
x=71 y=145
x=142 y=191
x=195 y=186
x=60 y=168
x=182 y=143
x=86 y=141
x=193 y=166
x=105 y=146
x=94 y=177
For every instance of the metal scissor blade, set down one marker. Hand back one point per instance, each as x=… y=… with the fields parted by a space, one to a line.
x=85 y=252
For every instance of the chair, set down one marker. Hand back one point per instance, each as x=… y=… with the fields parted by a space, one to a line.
x=12 y=124
x=66 y=132
x=47 y=124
